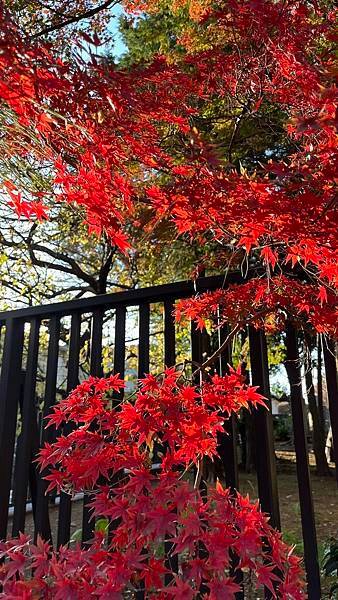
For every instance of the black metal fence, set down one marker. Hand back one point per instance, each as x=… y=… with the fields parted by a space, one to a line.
x=21 y=435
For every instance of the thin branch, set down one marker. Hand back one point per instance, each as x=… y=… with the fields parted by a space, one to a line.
x=75 y=288
x=74 y=267
x=236 y=129
x=221 y=349
x=75 y=19
x=199 y=473
x=229 y=338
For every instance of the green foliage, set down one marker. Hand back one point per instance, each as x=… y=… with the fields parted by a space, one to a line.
x=282 y=427
x=278 y=391
x=291 y=538
x=149 y=36
x=101 y=526
x=330 y=565
x=276 y=352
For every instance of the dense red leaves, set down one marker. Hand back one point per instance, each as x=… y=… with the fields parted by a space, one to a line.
x=149 y=506
x=91 y=126
x=181 y=419
x=265 y=304
x=274 y=56
x=99 y=130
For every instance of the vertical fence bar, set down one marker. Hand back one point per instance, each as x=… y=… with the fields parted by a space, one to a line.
x=119 y=367
x=42 y=524
x=29 y=437
x=169 y=334
x=265 y=453
x=263 y=432
x=144 y=346
x=303 y=474
x=17 y=441
x=96 y=344
x=169 y=360
x=197 y=359
x=196 y=350
x=72 y=381
x=120 y=342
x=143 y=368
x=1 y=333
x=332 y=392
x=88 y=524
x=227 y=448
x=320 y=382
x=9 y=399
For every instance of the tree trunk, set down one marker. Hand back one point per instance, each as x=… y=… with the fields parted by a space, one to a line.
x=290 y=372
x=320 y=383
x=318 y=434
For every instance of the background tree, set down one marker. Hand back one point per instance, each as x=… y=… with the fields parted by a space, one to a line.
x=318 y=429
x=125 y=146
x=232 y=131
x=61 y=21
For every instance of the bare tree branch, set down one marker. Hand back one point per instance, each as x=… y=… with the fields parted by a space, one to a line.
x=76 y=18
x=74 y=267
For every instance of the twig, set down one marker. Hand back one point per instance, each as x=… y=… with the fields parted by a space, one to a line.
x=199 y=472
x=75 y=19
x=229 y=338
x=236 y=129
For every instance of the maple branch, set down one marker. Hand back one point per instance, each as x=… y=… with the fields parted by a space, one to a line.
x=236 y=129
x=75 y=19
x=199 y=473
x=222 y=347
x=330 y=205
x=229 y=338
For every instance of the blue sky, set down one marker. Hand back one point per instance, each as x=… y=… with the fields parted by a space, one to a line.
x=119 y=47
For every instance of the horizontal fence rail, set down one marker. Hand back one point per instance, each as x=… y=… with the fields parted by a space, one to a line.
x=47 y=350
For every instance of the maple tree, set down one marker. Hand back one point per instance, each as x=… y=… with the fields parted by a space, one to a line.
x=101 y=132
x=113 y=443
x=282 y=216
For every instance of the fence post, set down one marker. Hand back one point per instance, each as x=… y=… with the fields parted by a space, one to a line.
x=227 y=451
x=42 y=523
x=144 y=345
x=65 y=508
x=119 y=368
x=88 y=523
x=227 y=441
x=120 y=344
x=265 y=453
x=171 y=562
x=169 y=334
x=29 y=438
x=9 y=400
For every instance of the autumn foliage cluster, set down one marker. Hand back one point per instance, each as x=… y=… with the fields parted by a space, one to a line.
x=100 y=133
x=158 y=514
